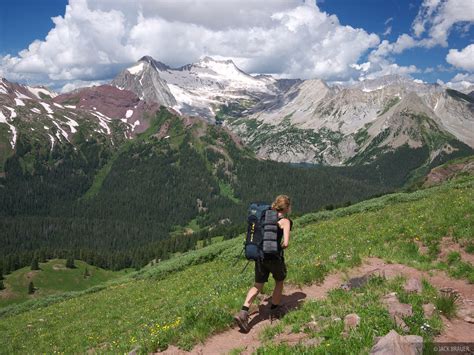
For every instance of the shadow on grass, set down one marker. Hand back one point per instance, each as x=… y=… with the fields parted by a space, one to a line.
x=288 y=304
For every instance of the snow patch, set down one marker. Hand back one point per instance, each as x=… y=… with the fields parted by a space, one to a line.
x=3 y=88
x=375 y=89
x=70 y=106
x=35 y=110
x=63 y=132
x=37 y=91
x=102 y=121
x=21 y=96
x=129 y=113
x=3 y=119
x=46 y=107
x=180 y=95
x=72 y=124
x=52 y=140
x=12 y=112
x=45 y=127
x=58 y=105
x=135 y=69
x=135 y=124
x=19 y=102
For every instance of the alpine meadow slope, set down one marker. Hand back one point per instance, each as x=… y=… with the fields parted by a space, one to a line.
x=184 y=300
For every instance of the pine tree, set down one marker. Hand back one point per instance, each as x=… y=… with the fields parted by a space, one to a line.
x=2 y=286
x=70 y=263
x=42 y=256
x=31 y=288
x=1 y=272
x=86 y=273
x=34 y=264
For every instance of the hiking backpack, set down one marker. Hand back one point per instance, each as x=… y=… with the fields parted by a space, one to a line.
x=262 y=227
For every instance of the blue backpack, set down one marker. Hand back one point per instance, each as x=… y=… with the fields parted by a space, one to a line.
x=262 y=227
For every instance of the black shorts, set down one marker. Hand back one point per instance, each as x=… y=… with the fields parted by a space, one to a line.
x=276 y=267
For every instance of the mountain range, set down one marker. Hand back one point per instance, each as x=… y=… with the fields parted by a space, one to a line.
x=287 y=120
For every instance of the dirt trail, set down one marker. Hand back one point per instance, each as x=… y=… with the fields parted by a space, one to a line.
x=456 y=330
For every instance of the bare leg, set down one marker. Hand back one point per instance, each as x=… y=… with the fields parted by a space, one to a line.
x=253 y=292
x=277 y=292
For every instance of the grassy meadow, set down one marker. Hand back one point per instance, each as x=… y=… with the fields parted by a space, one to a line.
x=52 y=278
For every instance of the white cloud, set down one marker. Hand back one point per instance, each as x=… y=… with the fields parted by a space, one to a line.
x=462 y=82
x=431 y=27
x=96 y=38
x=387 y=31
x=388 y=28
x=463 y=59
x=437 y=17
x=387 y=68
x=76 y=84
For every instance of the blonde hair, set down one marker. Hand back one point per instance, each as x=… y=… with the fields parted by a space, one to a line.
x=281 y=203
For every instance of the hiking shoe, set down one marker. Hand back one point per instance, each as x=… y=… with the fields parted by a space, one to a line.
x=277 y=312
x=242 y=320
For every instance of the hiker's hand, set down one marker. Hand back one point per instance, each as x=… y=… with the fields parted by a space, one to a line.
x=284 y=245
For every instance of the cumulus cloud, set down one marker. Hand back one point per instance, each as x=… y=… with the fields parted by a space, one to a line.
x=437 y=17
x=463 y=59
x=462 y=82
x=96 y=38
x=431 y=27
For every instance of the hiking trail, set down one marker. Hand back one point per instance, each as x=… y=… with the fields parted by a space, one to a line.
x=454 y=330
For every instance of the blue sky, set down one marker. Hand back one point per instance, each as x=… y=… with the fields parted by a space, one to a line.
x=23 y=21
x=81 y=49
x=372 y=15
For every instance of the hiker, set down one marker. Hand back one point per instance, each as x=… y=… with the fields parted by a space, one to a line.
x=274 y=264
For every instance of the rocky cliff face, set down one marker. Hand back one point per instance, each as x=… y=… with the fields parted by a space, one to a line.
x=312 y=122
x=144 y=80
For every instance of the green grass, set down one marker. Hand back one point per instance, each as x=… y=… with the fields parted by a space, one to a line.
x=226 y=190
x=53 y=278
x=185 y=299
x=447 y=305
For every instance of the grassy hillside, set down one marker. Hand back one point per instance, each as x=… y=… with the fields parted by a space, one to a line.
x=185 y=299
x=52 y=278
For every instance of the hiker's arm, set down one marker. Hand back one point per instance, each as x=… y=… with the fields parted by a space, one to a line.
x=286 y=233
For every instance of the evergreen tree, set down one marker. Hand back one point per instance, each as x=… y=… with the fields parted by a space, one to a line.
x=86 y=273
x=42 y=256
x=1 y=272
x=35 y=264
x=31 y=288
x=70 y=263
x=2 y=286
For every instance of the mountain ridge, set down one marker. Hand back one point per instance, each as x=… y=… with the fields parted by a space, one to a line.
x=307 y=105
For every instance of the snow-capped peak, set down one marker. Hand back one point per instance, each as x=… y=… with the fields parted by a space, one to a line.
x=136 y=69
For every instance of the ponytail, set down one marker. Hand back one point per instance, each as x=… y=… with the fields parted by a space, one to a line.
x=281 y=203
